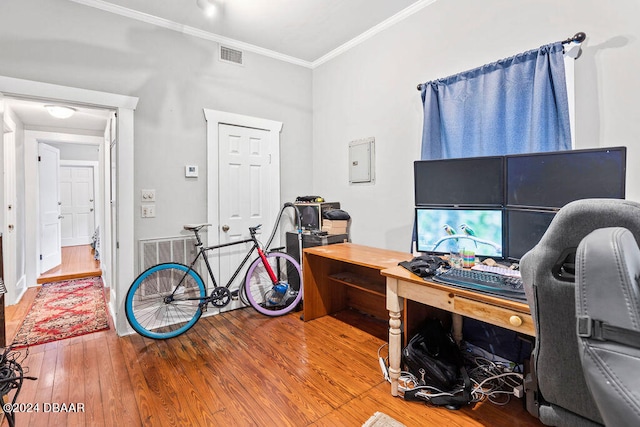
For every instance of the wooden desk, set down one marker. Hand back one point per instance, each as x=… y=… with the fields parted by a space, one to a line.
x=402 y=284
x=346 y=275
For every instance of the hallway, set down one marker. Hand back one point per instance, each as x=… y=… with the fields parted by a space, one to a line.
x=77 y=262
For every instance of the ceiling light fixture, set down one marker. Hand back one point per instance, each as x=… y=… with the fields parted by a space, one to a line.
x=208 y=6
x=60 y=111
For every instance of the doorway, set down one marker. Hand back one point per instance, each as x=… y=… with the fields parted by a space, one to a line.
x=243 y=182
x=118 y=265
x=76 y=222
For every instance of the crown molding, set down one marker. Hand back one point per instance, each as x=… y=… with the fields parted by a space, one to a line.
x=185 y=29
x=195 y=32
x=400 y=16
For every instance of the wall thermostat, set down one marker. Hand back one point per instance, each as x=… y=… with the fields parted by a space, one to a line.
x=191 y=171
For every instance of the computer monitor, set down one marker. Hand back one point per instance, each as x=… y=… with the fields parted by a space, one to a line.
x=476 y=181
x=440 y=230
x=553 y=179
x=525 y=228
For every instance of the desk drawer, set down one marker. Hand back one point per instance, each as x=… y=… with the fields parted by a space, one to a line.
x=503 y=317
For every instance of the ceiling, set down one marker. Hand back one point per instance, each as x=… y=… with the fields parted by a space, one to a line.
x=305 y=32
x=33 y=114
x=302 y=30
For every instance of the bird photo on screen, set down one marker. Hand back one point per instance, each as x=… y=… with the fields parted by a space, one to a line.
x=469 y=232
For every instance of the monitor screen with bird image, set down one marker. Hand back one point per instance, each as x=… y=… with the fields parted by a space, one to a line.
x=442 y=230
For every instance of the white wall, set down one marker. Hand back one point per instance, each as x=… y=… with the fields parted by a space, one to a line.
x=367 y=91
x=78 y=151
x=174 y=76
x=370 y=91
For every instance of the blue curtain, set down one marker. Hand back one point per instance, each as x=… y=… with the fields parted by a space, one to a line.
x=515 y=105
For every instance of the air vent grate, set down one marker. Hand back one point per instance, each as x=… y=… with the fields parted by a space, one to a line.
x=230 y=55
x=173 y=249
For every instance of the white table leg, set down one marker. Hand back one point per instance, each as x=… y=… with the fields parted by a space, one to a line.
x=394 y=305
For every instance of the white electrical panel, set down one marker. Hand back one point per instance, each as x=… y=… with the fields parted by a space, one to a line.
x=362 y=161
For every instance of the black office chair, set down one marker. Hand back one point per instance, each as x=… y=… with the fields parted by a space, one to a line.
x=608 y=322
x=556 y=390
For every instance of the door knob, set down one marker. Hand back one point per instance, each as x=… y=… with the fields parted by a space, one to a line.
x=10 y=226
x=60 y=216
x=225 y=228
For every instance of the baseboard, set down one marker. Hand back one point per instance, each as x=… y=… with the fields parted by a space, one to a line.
x=21 y=288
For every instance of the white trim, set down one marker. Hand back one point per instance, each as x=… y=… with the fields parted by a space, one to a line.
x=9 y=186
x=195 y=32
x=185 y=29
x=12 y=86
x=123 y=266
x=398 y=17
x=64 y=138
x=21 y=286
x=572 y=51
x=214 y=118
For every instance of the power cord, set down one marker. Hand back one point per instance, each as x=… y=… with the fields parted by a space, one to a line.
x=11 y=379
x=492 y=381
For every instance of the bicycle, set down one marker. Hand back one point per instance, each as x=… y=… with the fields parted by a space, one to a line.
x=166 y=300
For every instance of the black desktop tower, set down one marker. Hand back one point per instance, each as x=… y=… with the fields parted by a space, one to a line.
x=311 y=240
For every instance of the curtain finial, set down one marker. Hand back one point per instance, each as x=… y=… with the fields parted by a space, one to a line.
x=578 y=38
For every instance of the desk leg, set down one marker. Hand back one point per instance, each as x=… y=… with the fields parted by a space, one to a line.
x=456 y=320
x=394 y=305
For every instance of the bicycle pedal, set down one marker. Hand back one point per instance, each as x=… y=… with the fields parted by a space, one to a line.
x=234 y=295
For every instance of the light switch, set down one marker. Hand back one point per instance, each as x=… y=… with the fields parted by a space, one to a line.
x=148 y=195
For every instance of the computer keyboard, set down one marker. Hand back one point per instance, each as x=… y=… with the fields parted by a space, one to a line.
x=483 y=281
x=498 y=269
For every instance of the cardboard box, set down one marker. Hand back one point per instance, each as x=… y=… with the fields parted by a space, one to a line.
x=336 y=226
x=335 y=232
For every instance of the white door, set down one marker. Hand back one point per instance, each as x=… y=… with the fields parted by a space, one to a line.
x=49 y=190
x=245 y=193
x=77 y=204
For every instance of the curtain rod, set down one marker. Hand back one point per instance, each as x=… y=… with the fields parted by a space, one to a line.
x=577 y=37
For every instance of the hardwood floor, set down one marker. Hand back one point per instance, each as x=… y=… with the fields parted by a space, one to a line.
x=77 y=262
x=235 y=369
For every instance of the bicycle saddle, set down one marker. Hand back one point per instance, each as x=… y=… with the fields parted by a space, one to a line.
x=195 y=227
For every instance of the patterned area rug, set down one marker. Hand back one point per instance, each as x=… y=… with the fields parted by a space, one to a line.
x=380 y=419
x=64 y=310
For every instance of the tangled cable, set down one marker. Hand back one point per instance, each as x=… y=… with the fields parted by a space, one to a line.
x=491 y=380
x=12 y=375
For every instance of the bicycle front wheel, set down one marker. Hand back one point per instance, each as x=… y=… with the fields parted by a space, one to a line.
x=274 y=299
x=164 y=301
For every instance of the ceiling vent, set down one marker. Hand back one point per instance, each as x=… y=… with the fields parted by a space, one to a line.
x=230 y=55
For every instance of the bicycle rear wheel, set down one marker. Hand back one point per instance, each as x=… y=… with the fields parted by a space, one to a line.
x=274 y=299
x=164 y=301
